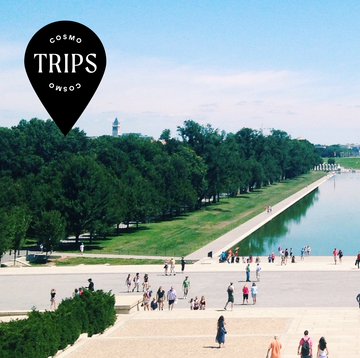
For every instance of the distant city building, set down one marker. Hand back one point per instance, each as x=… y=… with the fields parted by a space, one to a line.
x=116 y=128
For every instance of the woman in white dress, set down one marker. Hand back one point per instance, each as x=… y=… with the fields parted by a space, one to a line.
x=322 y=351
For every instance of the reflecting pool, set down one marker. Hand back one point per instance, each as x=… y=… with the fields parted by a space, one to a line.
x=328 y=217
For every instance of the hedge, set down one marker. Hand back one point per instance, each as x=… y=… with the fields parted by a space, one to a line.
x=41 y=335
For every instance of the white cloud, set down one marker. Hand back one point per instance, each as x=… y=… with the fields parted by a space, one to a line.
x=150 y=95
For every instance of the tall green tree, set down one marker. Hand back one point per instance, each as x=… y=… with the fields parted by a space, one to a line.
x=84 y=193
x=19 y=222
x=50 y=229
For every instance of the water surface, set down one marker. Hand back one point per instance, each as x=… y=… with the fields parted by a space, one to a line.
x=326 y=218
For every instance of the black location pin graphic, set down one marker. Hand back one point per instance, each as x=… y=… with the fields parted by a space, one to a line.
x=65 y=62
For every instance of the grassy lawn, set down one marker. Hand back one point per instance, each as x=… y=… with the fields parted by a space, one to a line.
x=187 y=233
x=73 y=261
x=347 y=162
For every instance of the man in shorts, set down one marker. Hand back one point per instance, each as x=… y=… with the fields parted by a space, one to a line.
x=230 y=292
x=171 y=297
x=186 y=286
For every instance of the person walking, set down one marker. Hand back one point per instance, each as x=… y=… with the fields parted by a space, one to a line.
x=335 y=253
x=357 y=262
x=245 y=291
x=322 y=351
x=275 y=347
x=286 y=253
x=91 y=285
x=247 y=270
x=258 y=269
x=53 y=299
x=166 y=267
x=340 y=253
x=254 y=291
x=305 y=346
x=146 y=301
x=160 y=298
x=186 y=286
x=145 y=283
x=183 y=262
x=171 y=297
x=230 y=292
x=172 y=266
x=221 y=331
x=82 y=248
x=136 y=281
x=128 y=282
x=202 y=303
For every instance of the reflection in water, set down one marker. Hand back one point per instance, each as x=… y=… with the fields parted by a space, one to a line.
x=324 y=219
x=259 y=242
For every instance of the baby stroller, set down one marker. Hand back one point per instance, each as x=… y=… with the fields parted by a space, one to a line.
x=222 y=257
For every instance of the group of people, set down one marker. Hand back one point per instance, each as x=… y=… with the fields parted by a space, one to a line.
x=77 y=292
x=304 y=350
x=268 y=208
x=170 y=264
x=337 y=253
x=196 y=304
x=157 y=302
x=245 y=290
x=233 y=256
x=305 y=251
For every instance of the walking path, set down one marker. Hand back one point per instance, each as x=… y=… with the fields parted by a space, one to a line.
x=185 y=333
x=283 y=308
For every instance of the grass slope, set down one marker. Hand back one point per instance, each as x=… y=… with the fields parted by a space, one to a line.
x=353 y=163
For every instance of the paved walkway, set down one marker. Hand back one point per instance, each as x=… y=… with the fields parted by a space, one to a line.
x=325 y=306
x=188 y=333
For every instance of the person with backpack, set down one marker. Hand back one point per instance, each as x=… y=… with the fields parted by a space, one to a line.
x=305 y=346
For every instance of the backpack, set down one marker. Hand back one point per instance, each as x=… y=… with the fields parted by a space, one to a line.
x=305 y=348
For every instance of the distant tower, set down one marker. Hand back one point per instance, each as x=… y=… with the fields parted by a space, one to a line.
x=116 y=128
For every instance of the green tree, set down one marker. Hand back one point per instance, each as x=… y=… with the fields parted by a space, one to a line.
x=50 y=229
x=84 y=193
x=6 y=231
x=19 y=222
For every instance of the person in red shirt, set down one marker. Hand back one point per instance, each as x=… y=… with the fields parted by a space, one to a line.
x=245 y=294
x=301 y=349
x=335 y=253
x=358 y=259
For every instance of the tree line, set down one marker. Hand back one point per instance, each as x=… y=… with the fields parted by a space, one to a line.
x=52 y=186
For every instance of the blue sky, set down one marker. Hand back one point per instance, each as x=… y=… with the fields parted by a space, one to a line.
x=289 y=65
